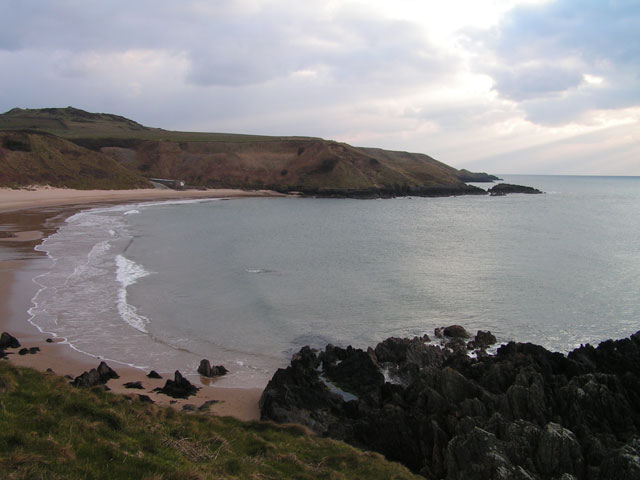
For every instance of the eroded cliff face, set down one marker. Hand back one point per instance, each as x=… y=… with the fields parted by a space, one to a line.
x=311 y=166
x=522 y=413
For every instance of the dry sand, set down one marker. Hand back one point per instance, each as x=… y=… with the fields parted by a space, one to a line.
x=35 y=213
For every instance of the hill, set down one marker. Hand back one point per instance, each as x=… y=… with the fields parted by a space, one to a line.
x=32 y=158
x=305 y=164
x=49 y=429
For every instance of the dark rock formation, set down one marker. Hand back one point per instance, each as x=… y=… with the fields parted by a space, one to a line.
x=523 y=413
x=95 y=376
x=137 y=385
x=8 y=341
x=455 y=331
x=179 y=387
x=34 y=350
x=153 y=374
x=504 y=188
x=23 y=351
x=145 y=398
x=206 y=370
x=49 y=340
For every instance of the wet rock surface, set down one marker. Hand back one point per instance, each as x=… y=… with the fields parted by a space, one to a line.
x=521 y=413
x=207 y=370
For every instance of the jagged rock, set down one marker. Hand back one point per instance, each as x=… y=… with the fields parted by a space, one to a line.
x=153 y=374
x=106 y=372
x=8 y=341
x=484 y=339
x=95 y=376
x=206 y=370
x=523 y=413
x=23 y=351
x=559 y=452
x=179 y=387
x=133 y=385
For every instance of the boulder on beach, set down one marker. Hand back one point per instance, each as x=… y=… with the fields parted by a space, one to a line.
x=153 y=374
x=206 y=370
x=8 y=341
x=137 y=385
x=95 y=376
x=179 y=387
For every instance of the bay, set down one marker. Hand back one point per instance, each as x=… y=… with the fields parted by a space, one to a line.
x=247 y=282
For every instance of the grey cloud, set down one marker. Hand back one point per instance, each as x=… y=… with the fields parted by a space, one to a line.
x=543 y=51
x=227 y=45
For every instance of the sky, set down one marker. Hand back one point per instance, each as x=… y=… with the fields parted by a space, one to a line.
x=503 y=86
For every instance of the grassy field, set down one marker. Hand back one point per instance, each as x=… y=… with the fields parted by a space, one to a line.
x=50 y=430
x=73 y=123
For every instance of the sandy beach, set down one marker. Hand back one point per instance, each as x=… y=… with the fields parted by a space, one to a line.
x=29 y=215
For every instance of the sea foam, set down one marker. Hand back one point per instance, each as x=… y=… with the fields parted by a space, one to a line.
x=128 y=273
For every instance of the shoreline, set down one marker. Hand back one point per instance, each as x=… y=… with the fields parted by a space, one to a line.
x=32 y=215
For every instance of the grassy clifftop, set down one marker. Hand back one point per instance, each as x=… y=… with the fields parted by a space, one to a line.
x=49 y=429
x=311 y=165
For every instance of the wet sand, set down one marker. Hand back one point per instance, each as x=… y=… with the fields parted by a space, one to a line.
x=30 y=216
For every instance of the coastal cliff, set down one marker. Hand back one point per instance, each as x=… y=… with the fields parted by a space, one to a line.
x=311 y=166
x=521 y=413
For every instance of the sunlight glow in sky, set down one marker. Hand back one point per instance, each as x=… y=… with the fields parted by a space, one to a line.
x=506 y=86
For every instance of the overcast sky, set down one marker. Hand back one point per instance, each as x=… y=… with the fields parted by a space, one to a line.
x=505 y=86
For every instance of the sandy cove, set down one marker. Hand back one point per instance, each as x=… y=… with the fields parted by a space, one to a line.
x=32 y=214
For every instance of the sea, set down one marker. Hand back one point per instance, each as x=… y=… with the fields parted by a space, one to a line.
x=247 y=282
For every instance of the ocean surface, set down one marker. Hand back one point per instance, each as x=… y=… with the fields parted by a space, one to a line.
x=247 y=282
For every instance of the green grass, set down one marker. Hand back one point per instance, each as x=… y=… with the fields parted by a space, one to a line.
x=51 y=430
x=72 y=123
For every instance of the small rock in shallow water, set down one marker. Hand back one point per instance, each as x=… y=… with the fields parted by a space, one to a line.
x=206 y=370
x=455 y=331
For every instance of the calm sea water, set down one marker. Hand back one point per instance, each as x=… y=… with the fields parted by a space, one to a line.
x=247 y=282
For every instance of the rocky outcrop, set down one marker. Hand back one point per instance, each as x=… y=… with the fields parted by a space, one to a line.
x=206 y=370
x=505 y=188
x=179 y=387
x=521 y=413
x=95 y=376
x=8 y=341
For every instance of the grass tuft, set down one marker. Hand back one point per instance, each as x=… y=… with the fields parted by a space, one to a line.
x=50 y=430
